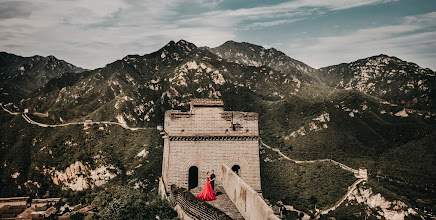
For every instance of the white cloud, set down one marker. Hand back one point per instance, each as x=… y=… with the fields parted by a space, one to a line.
x=14 y=9
x=93 y=33
x=90 y=33
x=260 y=25
x=402 y=40
x=210 y=3
x=289 y=9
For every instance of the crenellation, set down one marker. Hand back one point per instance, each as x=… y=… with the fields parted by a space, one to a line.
x=198 y=121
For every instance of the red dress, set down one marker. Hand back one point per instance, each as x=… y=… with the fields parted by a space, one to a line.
x=207 y=193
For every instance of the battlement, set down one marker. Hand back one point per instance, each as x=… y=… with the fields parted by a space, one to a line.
x=208 y=118
x=207 y=102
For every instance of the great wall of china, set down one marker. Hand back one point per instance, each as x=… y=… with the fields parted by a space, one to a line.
x=237 y=182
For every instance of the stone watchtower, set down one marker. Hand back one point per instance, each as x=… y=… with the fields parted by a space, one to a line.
x=205 y=137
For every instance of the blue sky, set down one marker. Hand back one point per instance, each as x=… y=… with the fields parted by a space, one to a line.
x=91 y=34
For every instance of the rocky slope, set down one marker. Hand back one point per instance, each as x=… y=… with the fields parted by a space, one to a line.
x=370 y=204
x=20 y=76
x=389 y=78
x=254 y=55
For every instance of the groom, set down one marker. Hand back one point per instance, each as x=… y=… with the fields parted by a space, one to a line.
x=212 y=180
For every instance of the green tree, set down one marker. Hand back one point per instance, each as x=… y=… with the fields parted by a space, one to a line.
x=122 y=202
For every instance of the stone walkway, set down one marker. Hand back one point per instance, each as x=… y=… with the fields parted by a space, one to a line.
x=222 y=202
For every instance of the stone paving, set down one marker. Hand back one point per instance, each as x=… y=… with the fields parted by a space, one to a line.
x=222 y=202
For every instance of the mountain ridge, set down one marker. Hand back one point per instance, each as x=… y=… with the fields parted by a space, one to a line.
x=254 y=55
x=387 y=77
x=167 y=73
x=20 y=76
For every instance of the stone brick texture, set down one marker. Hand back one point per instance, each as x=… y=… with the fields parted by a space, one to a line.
x=208 y=120
x=194 y=207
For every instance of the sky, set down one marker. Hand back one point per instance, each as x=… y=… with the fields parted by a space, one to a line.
x=91 y=34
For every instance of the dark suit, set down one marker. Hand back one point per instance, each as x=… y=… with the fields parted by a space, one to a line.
x=212 y=182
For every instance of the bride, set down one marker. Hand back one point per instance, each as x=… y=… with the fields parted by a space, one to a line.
x=207 y=193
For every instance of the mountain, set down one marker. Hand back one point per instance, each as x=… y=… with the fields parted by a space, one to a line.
x=389 y=78
x=20 y=76
x=301 y=113
x=254 y=55
x=136 y=90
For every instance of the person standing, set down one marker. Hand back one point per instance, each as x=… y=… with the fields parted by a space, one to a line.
x=207 y=193
x=212 y=179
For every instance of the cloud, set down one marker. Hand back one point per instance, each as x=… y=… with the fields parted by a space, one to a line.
x=280 y=12
x=93 y=33
x=87 y=33
x=210 y=3
x=14 y=9
x=260 y=25
x=412 y=40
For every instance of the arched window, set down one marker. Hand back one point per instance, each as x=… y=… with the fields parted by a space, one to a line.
x=193 y=177
x=236 y=168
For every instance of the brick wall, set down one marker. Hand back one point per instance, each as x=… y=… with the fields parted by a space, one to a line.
x=206 y=137
x=209 y=155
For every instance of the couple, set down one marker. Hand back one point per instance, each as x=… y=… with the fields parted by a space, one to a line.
x=208 y=194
